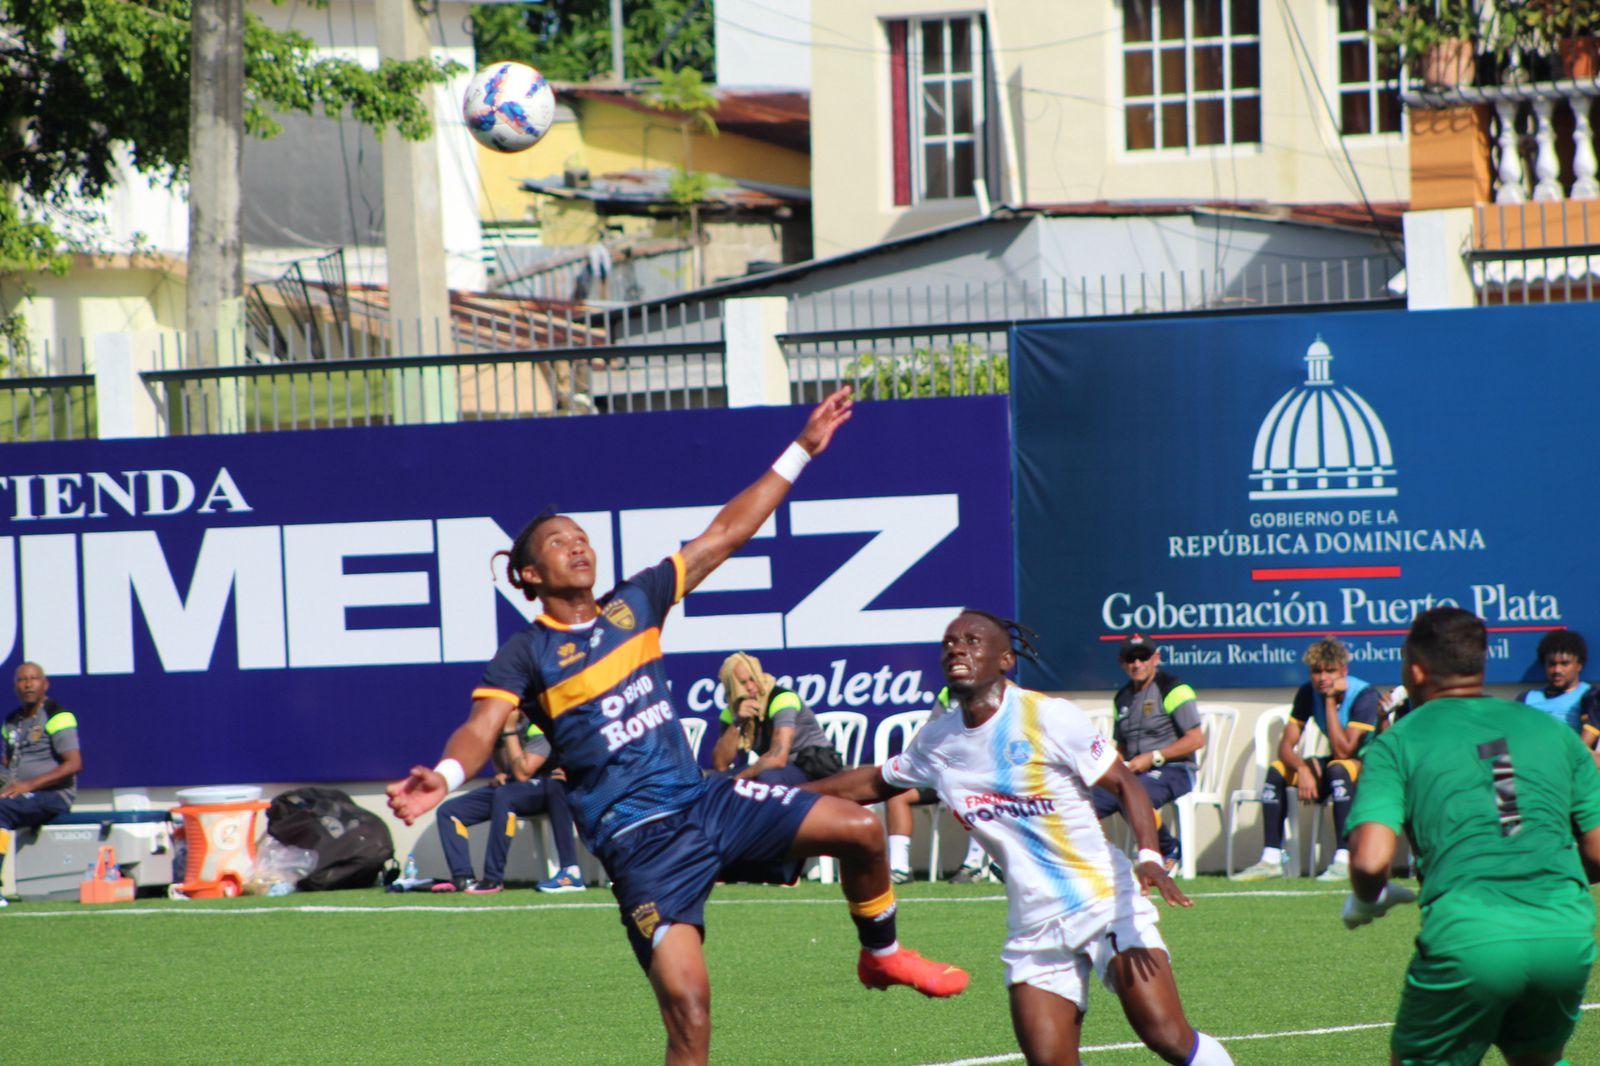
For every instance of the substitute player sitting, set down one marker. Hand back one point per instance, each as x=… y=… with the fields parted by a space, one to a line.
x=1016 y=766
x=589 y=673
x=1491 y=794
x=1347 y=710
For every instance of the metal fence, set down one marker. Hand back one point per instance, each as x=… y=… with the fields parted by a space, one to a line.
x=1542 y=252
x=437 y=388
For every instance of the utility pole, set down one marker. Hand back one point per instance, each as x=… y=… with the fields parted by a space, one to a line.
x=413 y=223
x=215 y=302
x=618 y=67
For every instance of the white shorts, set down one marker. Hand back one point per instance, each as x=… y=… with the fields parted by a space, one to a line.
x=1055 y=958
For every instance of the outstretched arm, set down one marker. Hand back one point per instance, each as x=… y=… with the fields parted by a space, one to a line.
x=863 y=784
x=470 y=746
x=738 y=521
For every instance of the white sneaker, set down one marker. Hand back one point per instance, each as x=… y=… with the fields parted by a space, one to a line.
x=1336 y=871
x=1264 y=870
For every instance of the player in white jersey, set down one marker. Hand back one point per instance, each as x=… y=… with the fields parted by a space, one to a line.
x=1017 y=767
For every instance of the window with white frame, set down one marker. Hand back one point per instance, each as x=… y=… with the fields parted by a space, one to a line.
x=1369 y=76
x=937 y=109
x=1191 y=73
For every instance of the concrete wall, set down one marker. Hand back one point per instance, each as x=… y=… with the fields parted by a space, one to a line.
x=1060 y=68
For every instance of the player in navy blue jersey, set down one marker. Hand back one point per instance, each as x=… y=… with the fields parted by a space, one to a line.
x=589 y=672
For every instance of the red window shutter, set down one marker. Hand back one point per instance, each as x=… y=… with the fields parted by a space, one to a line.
x=899 y=117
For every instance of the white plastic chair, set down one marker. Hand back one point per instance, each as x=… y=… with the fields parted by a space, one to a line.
x=1104 y=720
x=694 y=731
x=1269 y=728
x=904 y=724
x=1210 y=764
x=846 y=731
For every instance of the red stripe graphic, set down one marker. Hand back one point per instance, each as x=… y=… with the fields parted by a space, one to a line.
x=1323 y=573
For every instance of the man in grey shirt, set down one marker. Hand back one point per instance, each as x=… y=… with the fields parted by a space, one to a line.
x=39 y=757
x=1157 y=733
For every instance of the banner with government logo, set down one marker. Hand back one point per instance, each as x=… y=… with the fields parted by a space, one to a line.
x=1234 y=488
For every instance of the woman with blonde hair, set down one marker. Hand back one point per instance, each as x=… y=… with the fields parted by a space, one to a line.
x=763 y=717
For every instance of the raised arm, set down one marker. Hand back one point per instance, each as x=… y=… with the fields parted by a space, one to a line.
x=469 y=746
x=737 y=522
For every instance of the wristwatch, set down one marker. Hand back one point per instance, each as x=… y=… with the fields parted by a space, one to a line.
x=1157 y=759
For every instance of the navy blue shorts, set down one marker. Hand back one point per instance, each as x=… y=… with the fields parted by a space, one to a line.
x=737 y=830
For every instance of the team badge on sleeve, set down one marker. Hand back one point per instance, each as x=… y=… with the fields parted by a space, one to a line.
x=1097 y=747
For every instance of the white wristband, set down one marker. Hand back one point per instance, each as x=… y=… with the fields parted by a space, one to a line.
x=791 y=462
x=452 y=773
x=1147 y=855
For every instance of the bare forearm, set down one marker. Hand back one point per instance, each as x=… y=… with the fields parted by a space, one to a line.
x=1372 y=849
x=1136 y=809
x=474 y=740
x=727 y=748
x=863 y=784
x=733 y=526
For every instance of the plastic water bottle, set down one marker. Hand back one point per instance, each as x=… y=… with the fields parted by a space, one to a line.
x=281 y=888
x=409 y=873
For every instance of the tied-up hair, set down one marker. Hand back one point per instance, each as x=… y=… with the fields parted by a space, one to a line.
x=1022 y=638
x=521 y=551
x=748 y=727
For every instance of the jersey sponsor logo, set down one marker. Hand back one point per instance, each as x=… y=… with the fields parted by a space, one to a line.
x=568 y=654
x=620 y=615
x=1019 y=752
x=1097 y=747
x=989 y=806
x=627 y=730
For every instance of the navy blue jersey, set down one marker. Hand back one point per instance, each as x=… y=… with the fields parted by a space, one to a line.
x=599 y=692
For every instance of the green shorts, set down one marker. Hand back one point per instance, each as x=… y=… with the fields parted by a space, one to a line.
x=1519 y=996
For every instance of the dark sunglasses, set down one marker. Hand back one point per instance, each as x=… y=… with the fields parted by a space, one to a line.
x=1137 y=656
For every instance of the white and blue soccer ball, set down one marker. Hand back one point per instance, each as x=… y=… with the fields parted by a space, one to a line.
x=509 y=107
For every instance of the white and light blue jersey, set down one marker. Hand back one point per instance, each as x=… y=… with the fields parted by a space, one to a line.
x=1021 y=782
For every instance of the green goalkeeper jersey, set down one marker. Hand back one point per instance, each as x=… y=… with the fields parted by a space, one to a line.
x=1490 y=793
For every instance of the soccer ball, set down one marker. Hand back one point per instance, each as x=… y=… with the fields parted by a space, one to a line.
x=509 y=107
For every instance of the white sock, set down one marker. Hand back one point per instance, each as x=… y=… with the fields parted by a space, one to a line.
x=1207 y=1052
x=899 y=852
x=573 y=871
x=974 y=857
x=1342 y=855
x=892 y=948
x=1271 y=854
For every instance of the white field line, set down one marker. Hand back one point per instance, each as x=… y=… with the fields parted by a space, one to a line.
x=989 y=1060
x=445 y=909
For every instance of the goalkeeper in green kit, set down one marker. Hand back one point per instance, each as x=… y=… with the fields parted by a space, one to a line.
x=1502 y=807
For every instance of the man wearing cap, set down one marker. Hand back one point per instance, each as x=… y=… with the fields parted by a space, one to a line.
x=1157 y=733
x=39 y=759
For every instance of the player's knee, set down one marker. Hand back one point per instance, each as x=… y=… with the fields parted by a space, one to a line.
x=859 y=832
x=1340 y=783
x=688 y=1016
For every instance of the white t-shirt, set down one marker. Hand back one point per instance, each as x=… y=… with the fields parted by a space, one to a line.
x=1021 y=782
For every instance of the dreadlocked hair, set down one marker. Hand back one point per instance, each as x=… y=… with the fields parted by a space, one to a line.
x=1022 y=638
x=521 y=552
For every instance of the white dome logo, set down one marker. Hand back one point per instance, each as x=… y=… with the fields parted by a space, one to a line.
x=1321 y=441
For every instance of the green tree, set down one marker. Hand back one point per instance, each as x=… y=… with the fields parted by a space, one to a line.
x=685 y=95
x=81 y=78
x=964 y=369
x=570 y=40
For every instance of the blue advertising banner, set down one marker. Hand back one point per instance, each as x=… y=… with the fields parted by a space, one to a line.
x=1235 y=488
x=318 y=606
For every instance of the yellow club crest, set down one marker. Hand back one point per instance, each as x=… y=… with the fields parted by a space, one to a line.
x=620 y=615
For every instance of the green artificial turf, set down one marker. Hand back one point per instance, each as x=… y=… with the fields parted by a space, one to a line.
x=368 y=977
